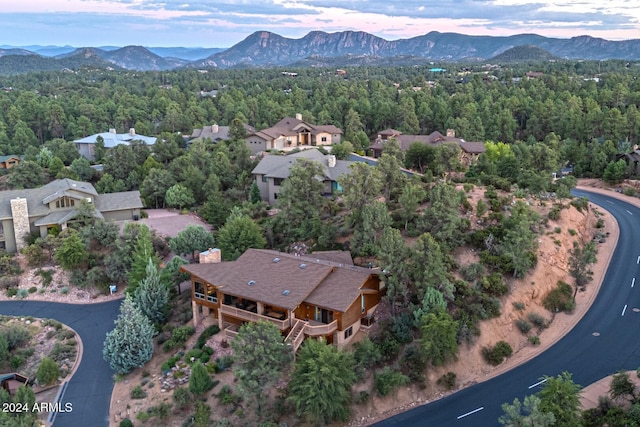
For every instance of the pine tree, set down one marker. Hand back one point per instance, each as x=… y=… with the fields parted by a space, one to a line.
x=151 y=296
x=142 y=252
x=129 y=344
x=200 y=380
x=48 y=371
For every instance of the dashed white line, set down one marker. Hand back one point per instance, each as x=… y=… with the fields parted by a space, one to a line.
x=538 y=383
x=638 y=261
x=471 y=412
x=633 y=282
x=629 y=212
x=624 y=309
x=609 y=201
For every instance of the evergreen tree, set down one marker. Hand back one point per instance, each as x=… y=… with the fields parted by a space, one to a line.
x=527 y=414
x=192 y=238
x=151 y=296
x=320 y=387
x=142 y=252
x=200 y=380
x=129 y=344
x=48 y=371
x=239 y=234
x=260 y=359
x=72 y=251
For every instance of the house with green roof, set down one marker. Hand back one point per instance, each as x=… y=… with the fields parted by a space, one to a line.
x=40 y=210
x=86 y=146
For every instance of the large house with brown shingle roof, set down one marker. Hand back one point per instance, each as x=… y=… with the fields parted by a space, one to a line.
x=293 y=132
x=23 y=212
x=304 y=296
x=469 y=151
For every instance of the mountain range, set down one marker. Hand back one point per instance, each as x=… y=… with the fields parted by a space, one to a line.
x=317 y=48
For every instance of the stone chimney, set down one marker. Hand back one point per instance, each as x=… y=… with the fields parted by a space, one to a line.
x=20 y=215
x=112 y=130
x=214 y=129
x=298 y=116
x=331 y=160
x=132 y=131
x=451 y=133
x=210 y=256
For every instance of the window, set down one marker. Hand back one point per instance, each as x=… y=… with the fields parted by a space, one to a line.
x=198 y=290
x=348 y=332
x=264 y=178
x=277 y=181
x=324 y=139
x=212 y=296
x=65 y=202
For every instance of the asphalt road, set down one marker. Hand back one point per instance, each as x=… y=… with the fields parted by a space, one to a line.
x=89 y=390
x=602 y=343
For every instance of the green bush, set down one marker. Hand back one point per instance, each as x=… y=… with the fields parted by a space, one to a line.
x=200 y=380
x=126 y=423
x=518 y=305
x=560 y=298
x=9 y=282
x=226 y=396
x=539 y=321
x=630 y=191
x=33 y=290
x=495 y=355
x=534 y=339
x=523 y=325
x=182 y=397
x=12 y=292
x=448 y=380
x=494 y=285
x=138 y=393
x=206 y=334
x=386 y=380
x=16 y=335
x=16 y=362
x=22 y=293
x=554 y=213
x=48 y=371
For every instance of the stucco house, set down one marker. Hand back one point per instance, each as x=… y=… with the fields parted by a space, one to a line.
x=273 y=169
x=23 y=212
x=304 y=296
x=86 y=145
x=293 y=132
x=469 y=151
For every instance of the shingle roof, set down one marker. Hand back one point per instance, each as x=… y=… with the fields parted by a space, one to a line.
x=222 y=133
x=38 y=198
x=290 y=126
x=338 y=257
x=434 y=139
x=276 y=166
x=118 y=201
x=334 y=285
x=10 y=156
x=60 y=217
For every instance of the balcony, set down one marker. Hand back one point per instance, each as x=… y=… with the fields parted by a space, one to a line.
x=249 y=316
x=317 y=329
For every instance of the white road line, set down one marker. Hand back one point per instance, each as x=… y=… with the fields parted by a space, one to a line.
x=633 y=282
x=609 y=201
x=624 y=309
x=538 y=383
x=472 y=412
x=638 y=261
x=629 y=212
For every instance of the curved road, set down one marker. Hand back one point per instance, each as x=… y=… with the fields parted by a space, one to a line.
x=89 y=390
x=603 y=342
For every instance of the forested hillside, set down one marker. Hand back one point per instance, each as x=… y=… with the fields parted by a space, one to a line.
x=582 y=116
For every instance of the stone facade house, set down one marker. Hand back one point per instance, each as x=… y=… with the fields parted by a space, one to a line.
x=7 y=162
x=469 y=151
x=86 y=146
x=215 y=133
x=273 y=169
x=304 y=296
x=23 y=212
x=293 y=132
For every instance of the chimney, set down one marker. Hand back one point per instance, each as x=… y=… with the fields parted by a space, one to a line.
x=210 y=256
x=214 y=129
x=112 y=130
x=451 y=133
x=21 y=227
x=132 y=131
x=298 y=116
x=331 y=160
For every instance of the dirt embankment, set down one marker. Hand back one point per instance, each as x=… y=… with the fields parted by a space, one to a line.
x=526 y=297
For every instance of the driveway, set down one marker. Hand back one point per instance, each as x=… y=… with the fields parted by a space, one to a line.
x=169 y=223
x=89 y=389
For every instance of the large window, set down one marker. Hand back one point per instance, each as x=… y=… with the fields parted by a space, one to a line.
x=65 y=202
x=198 y=290
x=348 y=332
x=212 y=296
x=277 y=181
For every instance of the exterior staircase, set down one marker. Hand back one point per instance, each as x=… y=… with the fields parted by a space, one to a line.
x=296 y=335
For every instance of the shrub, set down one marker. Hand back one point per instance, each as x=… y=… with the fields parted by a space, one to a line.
x=200 y=381
x=414 y=362
x=495 y=355
x=523 y=325
x=182 y=397
x=64 y=290
x=494 y=285
x=48 y=371
x=161 y=410
x=572 y=232
x=34 y=254
x=17 y=361
x=600 y=223
x=8 y=282
x=22 y=293
x=206 y=334
x=518 y=305
x=534 y=339
x=12 y=292
x=366 y=354
x=224 y=362
x=580 y=203
x=472 y=272
x=554 y=214
x=226 y=395
x=126 y=423
x=448 y=380
x=630 y=191
x=539 y=321
x=387 y=379
x=33 y=290
x=138 y=393
x=560 y=298
x=16 y=335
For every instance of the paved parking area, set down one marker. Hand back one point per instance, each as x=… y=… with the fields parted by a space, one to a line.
x=169 y=223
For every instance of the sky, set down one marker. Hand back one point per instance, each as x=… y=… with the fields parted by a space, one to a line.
x=223 y=23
